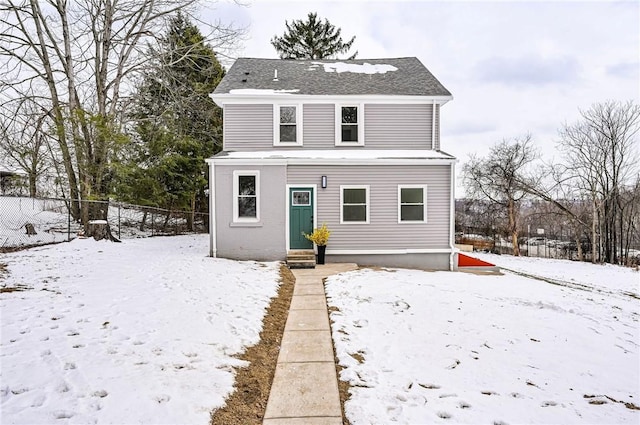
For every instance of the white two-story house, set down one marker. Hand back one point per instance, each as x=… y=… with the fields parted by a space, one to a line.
x=353 y=144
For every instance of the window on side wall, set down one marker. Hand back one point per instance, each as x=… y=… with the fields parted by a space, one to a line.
x=349 y=125
x=246 y=196
x=354 y=204
x=412 y=204
x=287 y=125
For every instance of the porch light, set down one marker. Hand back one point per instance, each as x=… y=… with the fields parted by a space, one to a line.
x=324 y=182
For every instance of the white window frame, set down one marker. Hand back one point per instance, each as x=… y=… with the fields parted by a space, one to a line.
x=301 y=205
x=338 y=124
x=424 y=202
x=367 y=199
x=236 y=195
x=276 y=124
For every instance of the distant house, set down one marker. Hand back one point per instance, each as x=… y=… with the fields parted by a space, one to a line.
x=353 y=144
x=12 y=182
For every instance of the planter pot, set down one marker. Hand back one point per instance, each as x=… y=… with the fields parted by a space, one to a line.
x=321 y=250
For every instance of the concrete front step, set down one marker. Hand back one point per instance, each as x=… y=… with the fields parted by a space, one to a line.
x=301 y=259
x=301 y=256
x=300 y=252
x=301 y=264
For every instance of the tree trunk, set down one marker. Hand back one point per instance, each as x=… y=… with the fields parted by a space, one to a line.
x=622 y=253
x=94 y=211
x=513 y=227
x=99 y=230
x=579 y=248
x=32 y=184
x=144 y=220
x=57 y=107
x=166 y=221
x=594 y=231
x=191 y=214
x=30 y=228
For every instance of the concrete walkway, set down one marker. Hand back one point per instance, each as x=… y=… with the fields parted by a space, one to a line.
x=305 y=385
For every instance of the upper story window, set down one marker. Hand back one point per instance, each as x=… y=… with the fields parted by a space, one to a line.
x=287 y=125
x=412 y=204
x=349 y=125
x=354 y=204
x=246 y=196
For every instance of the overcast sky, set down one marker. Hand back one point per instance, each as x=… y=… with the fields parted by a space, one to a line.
x=512 y=67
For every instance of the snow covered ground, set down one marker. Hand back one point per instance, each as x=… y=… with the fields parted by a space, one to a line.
x=441 y=347
x=138 y=332
x=604 y=278
x=49 y=219
x=51 y=222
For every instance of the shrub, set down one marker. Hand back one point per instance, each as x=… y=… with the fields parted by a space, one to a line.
x=320 y=235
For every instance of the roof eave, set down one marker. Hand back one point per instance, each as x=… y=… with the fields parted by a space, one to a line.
x=225 y=98
x=330 y=161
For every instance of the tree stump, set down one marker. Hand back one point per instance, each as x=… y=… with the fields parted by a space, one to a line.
x=99 y=230
x=31 y=230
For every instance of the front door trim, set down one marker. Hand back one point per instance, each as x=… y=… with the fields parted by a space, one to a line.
x=288 y=188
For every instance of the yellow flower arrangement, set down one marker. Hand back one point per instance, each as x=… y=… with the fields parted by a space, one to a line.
x=320 y=235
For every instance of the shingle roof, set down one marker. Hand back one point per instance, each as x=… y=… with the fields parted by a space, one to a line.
x=393 y=76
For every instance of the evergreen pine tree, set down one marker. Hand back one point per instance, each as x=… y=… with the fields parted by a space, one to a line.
x=311 y=39
x=177 y=124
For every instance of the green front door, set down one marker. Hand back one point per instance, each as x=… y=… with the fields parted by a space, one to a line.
x=300 y=217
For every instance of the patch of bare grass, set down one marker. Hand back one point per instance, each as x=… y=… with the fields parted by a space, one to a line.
x=17 y=288
x=343 y=386
x=247 y=404
x=4 y=272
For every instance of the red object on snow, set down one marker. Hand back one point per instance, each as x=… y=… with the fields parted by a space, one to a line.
x=466 y=261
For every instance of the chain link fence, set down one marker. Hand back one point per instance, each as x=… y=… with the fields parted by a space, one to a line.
x=27 y=222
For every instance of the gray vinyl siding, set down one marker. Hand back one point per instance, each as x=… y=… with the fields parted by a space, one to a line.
x=319 y=126
x=383 y=230
x=265 y=241
x=430 y=261
x=436 y=142
x=398 y=126
x=248 y=127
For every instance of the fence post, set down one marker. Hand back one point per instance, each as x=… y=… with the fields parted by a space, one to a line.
x=69 y=224
x=152 y=222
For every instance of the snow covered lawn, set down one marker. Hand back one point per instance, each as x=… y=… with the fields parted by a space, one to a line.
x=49 y=218
x=604 y=278
x=138 y=332
x=441 y=347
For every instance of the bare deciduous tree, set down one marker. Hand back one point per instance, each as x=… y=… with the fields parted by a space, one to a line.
x=77 y=60
x=600 y=154
x=630 y=201
x=23 y=139
x=501 y=178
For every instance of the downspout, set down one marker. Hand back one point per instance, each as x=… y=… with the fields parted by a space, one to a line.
x=452 y=218
x=213 y=239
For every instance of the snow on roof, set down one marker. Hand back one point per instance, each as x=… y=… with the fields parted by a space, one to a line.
x=379 y=77
x=331 y=154
x=365 y=68
x=262 y=91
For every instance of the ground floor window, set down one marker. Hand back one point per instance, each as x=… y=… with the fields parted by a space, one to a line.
x=246 y=194
x=412 y=204
x=354 y=204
